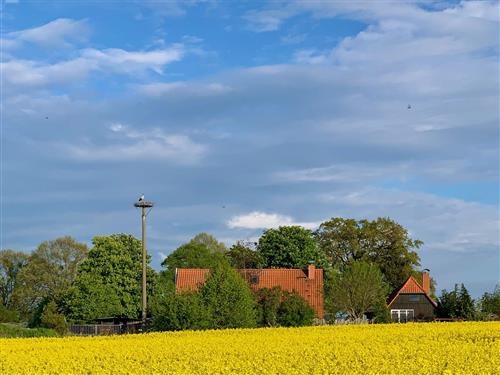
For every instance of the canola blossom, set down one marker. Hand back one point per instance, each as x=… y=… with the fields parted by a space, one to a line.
x=419 y=348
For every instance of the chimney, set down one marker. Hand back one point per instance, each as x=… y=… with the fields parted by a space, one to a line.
x=311 y=270
x=426 y=282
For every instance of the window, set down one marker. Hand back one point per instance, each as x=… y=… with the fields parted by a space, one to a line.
x=402 y=315
x=414 y=297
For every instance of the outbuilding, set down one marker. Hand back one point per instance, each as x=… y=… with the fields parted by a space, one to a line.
x=412 y=301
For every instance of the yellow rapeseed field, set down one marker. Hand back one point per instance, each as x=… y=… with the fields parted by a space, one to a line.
x=425 y=348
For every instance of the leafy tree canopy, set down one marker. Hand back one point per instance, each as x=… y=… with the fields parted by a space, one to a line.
x=109 y=280
x=210 y=242
x=294 y=311
x=358 y=289
x=49 y=272
x=11 y=263
x=241 y=255
x=456 y=304
x=290 y=247
x=490 y=304
x=228 y=299
x=192 y=255
x=381 y=241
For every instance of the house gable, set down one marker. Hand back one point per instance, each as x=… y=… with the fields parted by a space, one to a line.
x=412 y=299
x=411 y=286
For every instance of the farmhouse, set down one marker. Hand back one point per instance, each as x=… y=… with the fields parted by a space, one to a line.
x=412 y=301
x=308 y=284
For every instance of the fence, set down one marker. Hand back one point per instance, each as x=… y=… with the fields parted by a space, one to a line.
x=105 y=329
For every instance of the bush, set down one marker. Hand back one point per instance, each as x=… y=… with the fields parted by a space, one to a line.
x=179 y=312
x=15 y=330
x=294 y=311
x=228 y=299
x=382 y=314
x=51 y=318
x=8 y=316
x=268 y=303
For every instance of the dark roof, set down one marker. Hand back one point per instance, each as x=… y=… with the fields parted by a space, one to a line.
x=410 y=286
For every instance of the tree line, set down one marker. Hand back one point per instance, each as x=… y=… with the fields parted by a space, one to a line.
x=63 y=281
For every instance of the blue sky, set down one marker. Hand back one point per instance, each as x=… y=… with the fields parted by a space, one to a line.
x=238 y=116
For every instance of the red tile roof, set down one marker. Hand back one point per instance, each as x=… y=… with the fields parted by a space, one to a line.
x=309 y=285
x=411 y=286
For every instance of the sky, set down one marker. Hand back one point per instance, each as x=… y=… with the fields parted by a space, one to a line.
x=234 y=117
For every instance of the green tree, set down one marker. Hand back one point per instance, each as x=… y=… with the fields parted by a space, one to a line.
x=489 y=304
x=8 y=316
x=242 y=256
x=174 y=312
x=466 y=308
x=381 y=241
x=294 y=311
x=228 y=299
x=290 y=247
x=358 y=289
x=48 y=274
x=11 y=263
x=268 y=302
x=192 y=255
x=109 y=281
x=456 y=304
x=51 y=318
x=210 y=242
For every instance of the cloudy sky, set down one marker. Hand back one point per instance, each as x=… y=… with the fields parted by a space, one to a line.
x=237 y=116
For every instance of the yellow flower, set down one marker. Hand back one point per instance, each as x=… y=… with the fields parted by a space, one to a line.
x=420 y=348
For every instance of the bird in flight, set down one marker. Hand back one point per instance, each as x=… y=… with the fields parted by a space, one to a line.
x=141 y=198
x=409 y=106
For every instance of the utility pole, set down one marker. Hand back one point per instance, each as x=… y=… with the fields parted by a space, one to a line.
x=145 y=207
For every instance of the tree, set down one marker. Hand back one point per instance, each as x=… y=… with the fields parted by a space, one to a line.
x=11 y=263
x=242 y=256
x=268 y=302
x=294 y=311
x=109 y=282
x=210 y=242
x=49 y=272
x=228 y=299
x=289 y=247
x=173 y=312
x=466 y=308
x=358 y=289
x=382 y=241
x=456 y=304
x=192 y=255
x=278 y=307
x=489 y=304
x=51 y=318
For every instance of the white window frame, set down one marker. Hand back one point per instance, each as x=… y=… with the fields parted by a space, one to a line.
x=403 y=312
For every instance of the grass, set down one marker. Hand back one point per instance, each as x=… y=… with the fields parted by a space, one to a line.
x=16 y=330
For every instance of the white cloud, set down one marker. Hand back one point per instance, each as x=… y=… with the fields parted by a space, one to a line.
x=263 y=220
x=113 y=60
x=132 y=144
x=56 y=33
x=309 y=56
x=184 y=88
x=442 y=223
x=268 y=20
x=344 y=173
x=119 y=60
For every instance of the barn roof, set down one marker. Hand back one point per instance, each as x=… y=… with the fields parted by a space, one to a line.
x=410 y=286
x=309 y=284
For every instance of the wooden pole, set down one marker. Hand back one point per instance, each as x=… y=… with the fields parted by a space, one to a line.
x=144 y=291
